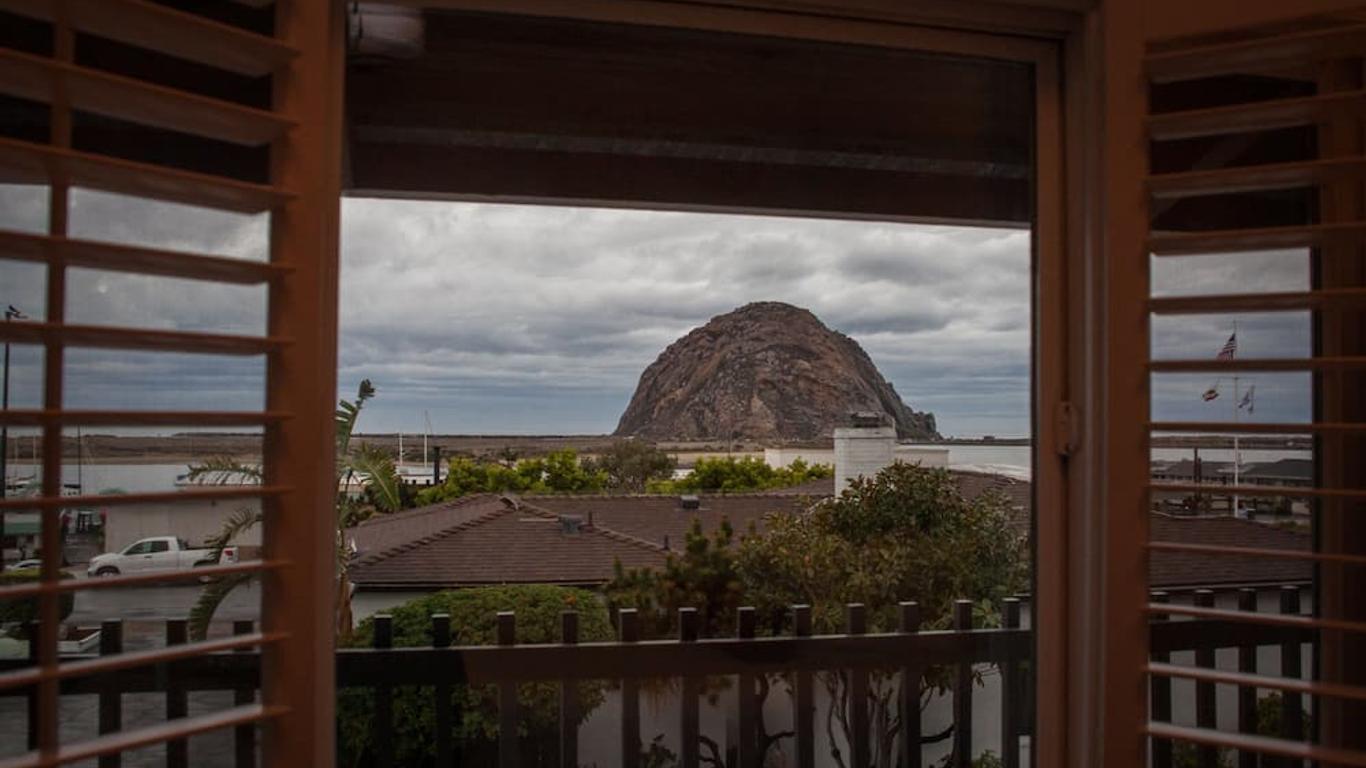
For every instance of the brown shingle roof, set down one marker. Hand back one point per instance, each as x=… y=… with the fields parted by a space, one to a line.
x=656 y=519
x=387 y=531
x=507 y=545
x=1169 y=570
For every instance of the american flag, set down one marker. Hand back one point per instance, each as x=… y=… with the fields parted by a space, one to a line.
x=1230 y=348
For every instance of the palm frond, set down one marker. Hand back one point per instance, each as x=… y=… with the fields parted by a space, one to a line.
x=240 y=520
x=212 y=596
x=381 y=477
x=219 y=470
x=347 y=414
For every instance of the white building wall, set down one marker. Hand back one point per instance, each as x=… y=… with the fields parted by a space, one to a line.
x=925 y=457
x=192 y=521
x=861 y=452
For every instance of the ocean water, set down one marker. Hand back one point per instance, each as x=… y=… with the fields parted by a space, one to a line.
x=1008 y=460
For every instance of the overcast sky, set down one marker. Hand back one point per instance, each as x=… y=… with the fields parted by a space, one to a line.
x=503 y=319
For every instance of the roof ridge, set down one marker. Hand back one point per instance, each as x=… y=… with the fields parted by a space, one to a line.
x=600 y=530
x=430 y=538
x=460 y=501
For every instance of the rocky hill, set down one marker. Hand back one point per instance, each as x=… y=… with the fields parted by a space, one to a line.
x=764 y=371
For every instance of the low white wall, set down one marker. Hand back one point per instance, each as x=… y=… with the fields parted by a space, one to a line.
x=193 y=521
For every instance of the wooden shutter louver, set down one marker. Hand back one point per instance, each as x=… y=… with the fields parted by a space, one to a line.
x=1258 y=143
x=289 y=55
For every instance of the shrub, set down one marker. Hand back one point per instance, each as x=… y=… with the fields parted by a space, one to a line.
x=473 y=615
x=18 y=613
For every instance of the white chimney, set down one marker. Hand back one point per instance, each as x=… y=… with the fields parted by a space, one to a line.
x=863 y=449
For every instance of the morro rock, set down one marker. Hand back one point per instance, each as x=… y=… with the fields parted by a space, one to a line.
x=767 y=371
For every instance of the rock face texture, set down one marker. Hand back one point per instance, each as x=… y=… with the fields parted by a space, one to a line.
x=764 y=371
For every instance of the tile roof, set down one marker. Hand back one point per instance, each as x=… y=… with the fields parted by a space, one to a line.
x=1168 y=570
x=508 y=544
x=487 y=539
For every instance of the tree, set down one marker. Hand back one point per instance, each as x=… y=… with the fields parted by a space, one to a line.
x=366 y=464
x=473 y=615
x=559 y=472
x=906 y=534
x=702 y=576
x=629 y=465
x=727 y=474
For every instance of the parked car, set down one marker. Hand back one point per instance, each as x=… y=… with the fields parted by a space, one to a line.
x=24 y=565
x=159 y=553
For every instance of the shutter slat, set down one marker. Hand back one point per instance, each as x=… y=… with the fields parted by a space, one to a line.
x=1255 y=178
x=1262 y=744
x=1278 y=554
x=1265 y=239
x=1273 y=619
x=25 y=418
x=1263 y=428
x=1266 y=54
x=1209 y=675
x=1279 y=491
x=135 y=339
x=1256 y=302
x=24 y=162
x=1265 y=364
x=123 y=741
x=1257 y=116
x=213 y=493
x=162 y=577
x=159 y=28
x=89 y=254
x=96 y=666
x=38 y=78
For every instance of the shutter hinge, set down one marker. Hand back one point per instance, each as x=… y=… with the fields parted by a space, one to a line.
x=1066 y=429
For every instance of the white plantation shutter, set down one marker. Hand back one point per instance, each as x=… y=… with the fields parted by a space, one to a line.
x=1256 y=141
x=294 y=52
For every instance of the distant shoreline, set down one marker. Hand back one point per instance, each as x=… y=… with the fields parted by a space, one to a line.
x=186 y=448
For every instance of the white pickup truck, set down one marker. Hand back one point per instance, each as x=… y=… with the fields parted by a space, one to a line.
x=159 y=553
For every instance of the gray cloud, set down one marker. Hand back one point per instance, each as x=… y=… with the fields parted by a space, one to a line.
x=540 y=319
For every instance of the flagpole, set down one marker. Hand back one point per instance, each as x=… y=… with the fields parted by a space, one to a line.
x=1237 y=459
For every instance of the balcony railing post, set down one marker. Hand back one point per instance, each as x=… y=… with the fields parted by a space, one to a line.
x=1010 y=694
x=1161 y=694
x=745 y=696
x=688 y=714
x=111 y=699
x=382 y=640
x=1292 y=704
x=177 y=700
x=441 y=692
x=856 y=623
x=244 y=736
x=909 y=703
x=962 y=692
x=569 y=697
x=1247 y=695
x=32 y=694
x=508 y=755
x=628 y=624
x=804 y=714
x=1206 y=713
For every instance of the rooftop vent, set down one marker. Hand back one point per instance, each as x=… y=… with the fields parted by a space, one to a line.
x=690 y=502
x=866 y=419
x=570 y=523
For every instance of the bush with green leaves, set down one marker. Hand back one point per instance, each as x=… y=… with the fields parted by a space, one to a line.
x=473 y=615
x=17 y=614
x=557 y=472
x=727 y=474
x=629 y=465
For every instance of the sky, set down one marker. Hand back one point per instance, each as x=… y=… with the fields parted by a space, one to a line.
x=496 y=319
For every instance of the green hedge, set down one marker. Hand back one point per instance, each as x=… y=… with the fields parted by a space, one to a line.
x=17 y=614
x=473 y=615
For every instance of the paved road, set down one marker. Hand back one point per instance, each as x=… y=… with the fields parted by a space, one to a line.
x=160 y=603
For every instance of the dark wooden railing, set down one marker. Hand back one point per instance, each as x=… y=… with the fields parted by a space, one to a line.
x=628 y=660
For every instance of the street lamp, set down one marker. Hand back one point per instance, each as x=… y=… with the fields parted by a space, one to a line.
x=10 y=314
